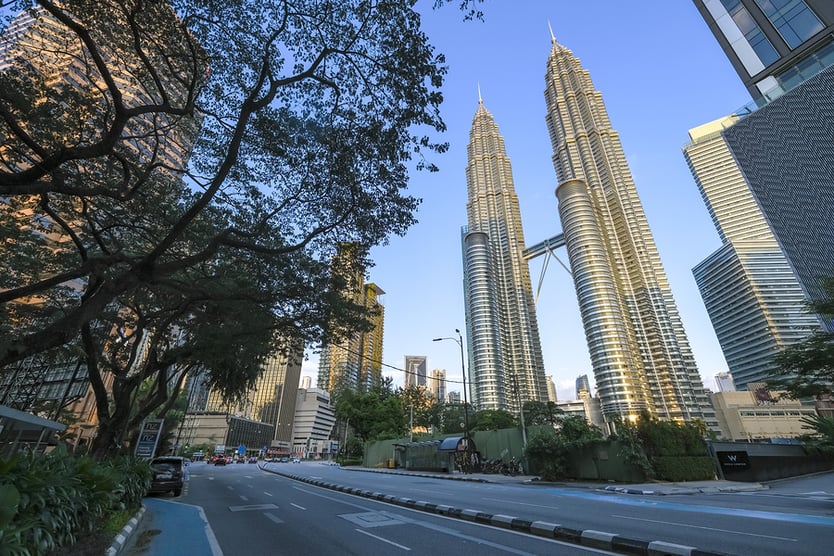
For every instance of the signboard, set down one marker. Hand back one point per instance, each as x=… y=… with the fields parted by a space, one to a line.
x=733 y=461
x=220 y=449
x=148 y=438
x=241 y=450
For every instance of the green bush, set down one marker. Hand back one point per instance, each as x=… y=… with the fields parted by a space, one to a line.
x=49 y=501
x=684 y=468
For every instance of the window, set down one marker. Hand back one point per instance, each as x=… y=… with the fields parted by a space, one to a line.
x=751 y=31
x=794 y=20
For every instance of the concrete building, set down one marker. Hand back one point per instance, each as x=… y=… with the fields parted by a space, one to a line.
x=506 y=367
x=415 y=370
x=551 y=390
x=354 y=362
x=724 y=382
x=756 y=304
x=756 y=414
x=437 y=384
x=313 y=423
x=586 y=407
x=639 y=350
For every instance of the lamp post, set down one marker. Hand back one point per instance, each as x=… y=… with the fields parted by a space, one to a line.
x=459 y=342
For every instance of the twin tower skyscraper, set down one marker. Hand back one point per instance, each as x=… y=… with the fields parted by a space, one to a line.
x=638 y=348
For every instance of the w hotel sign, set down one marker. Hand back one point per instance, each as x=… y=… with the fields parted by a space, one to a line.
x=733 y=461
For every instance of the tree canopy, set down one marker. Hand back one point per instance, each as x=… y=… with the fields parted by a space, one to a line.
x=175 y=178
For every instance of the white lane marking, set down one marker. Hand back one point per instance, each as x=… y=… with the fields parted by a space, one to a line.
x=230 y=487
x=521 y=503
x=253 y=507
x=299 y=507
x=245 y=499
x=268 y=493
x=677 y=524
x=274 y=518
x=383 y=540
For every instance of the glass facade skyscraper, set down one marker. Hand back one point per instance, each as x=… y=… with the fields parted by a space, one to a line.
x=506 y=367
x=638 y=347
x=753 y=298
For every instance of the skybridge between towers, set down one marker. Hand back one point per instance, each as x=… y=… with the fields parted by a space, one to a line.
x=545 y=248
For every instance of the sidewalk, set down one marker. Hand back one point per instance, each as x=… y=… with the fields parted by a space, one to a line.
x=658 y=488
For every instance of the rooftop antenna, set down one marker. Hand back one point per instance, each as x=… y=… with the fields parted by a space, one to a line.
x=552 y=36
x=480 y=100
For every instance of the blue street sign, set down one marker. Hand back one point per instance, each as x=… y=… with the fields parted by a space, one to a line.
x=241 y=449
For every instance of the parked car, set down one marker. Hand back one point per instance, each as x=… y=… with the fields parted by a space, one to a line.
x=253 y=459
x=219 y=460
x=168 y=474
x=296 y=460
x=285 y=459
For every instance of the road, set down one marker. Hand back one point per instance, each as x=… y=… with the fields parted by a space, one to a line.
x=255 y=512
x=792 y=518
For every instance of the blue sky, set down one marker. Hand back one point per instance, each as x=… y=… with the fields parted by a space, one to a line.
x=660 y=72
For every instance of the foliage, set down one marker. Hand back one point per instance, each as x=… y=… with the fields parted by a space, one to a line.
x=684 y=468
x=550 y=450
x=173 y=208
x=60 y=498
x=492 y=419
x=822 y=437
x=418 y=407
x=372 y=415
x=806 y=369
x=541 y=413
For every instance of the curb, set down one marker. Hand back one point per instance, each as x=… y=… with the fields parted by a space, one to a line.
x=125 y=534
x=588 y=538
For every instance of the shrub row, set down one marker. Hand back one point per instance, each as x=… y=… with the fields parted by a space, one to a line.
x=49 y=501
x=684 y=468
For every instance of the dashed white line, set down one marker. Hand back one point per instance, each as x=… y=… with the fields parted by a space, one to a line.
x=297 y=506
x=268 y=493
x=244 y=498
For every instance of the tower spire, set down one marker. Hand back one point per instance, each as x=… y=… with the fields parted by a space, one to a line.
x=552 y=36
x=480 y=100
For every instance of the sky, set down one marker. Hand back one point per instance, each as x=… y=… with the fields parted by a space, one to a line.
x=661 y=73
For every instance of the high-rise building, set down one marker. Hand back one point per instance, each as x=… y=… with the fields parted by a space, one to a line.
x=437 y=384
x=753 y=298
x=784 y=52
x=773 y=46
x=551 y=390
x=506 y=367
x=273 y=399
x=313 y=423
x=582 y=385
x=355 y=361
x=415 y=370
x=306 y=382
x=724 y=382
x=638 y=347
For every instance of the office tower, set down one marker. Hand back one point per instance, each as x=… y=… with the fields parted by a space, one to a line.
x=415 y=370
x=639 y=351
x=753 y=298
x=306 y=382
x=355 y=360
x=551 y=390
x=783 y=52
x=314 y=419
x=273 y=399
x=724 y=382
x=506 y=367
x=453 y=397
x=437 y=384
x=582 y=385
x=773 y=46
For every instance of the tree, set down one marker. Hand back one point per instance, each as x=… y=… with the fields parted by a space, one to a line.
x=173 y=205
x=372 y=415
x=492 y=419
x=806 y=369
x=542 y=413
x=417 y=406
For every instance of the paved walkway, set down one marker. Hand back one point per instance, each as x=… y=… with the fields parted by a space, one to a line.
x=654 y=488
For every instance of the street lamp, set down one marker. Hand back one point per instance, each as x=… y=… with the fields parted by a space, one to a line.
x=459 y=342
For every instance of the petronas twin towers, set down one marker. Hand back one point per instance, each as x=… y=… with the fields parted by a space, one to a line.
x=639 y=351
